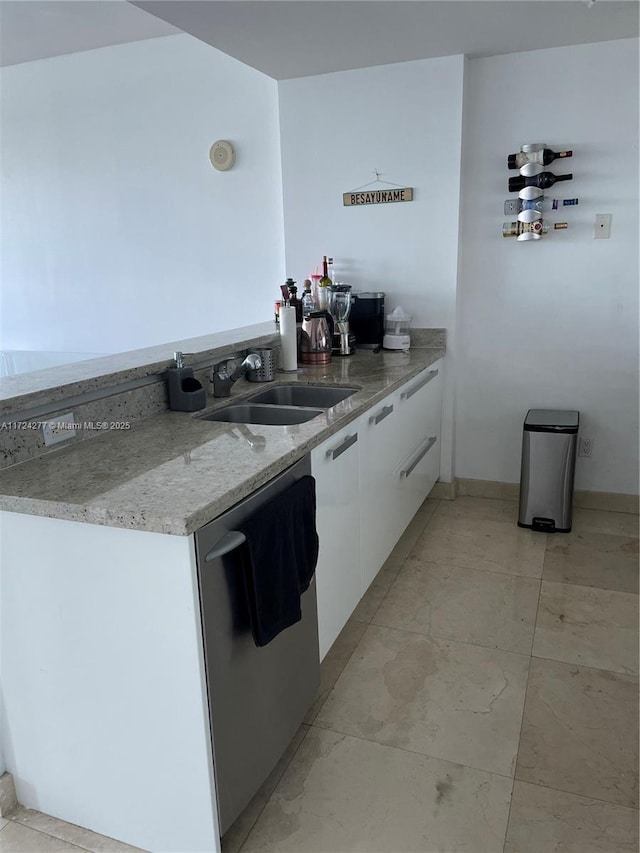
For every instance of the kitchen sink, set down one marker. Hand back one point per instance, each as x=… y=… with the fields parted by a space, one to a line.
x=247 y=413
x=303 y=395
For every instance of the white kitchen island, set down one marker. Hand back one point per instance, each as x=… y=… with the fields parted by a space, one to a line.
x=106 y=722
x=105 y=717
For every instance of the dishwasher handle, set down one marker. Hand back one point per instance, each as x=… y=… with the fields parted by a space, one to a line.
x=229 y=542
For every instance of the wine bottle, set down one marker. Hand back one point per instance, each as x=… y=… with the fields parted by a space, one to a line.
x=515 y=229
x=544 y=180
x=517 y=205
x=325 y=281
x=544 y=156
x=324 y=286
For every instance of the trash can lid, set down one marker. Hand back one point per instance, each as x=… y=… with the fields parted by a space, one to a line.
x=552 y=419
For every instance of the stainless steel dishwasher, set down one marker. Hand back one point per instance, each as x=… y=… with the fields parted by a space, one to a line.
x=257 y=696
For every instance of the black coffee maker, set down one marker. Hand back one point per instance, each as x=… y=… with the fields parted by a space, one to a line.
x=367 y=319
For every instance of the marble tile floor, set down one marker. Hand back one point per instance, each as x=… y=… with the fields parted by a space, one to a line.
x=483 y=698
x=30 y=831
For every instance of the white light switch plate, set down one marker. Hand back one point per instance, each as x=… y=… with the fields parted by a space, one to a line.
x=602 y=226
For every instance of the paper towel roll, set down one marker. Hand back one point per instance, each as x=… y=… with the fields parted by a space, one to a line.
x=288 y=340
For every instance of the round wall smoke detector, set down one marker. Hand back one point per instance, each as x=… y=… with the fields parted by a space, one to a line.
x=222 y=155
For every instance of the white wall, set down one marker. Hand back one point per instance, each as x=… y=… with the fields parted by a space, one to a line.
x=552 y=323
x=406 y=121
x=116 y=231
x=336 y=129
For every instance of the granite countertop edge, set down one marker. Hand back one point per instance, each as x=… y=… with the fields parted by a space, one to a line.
x=53 y=384
x=186 y=521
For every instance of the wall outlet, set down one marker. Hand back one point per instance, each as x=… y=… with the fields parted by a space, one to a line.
x=585 y=447
x=58 y=429
x=602 y=226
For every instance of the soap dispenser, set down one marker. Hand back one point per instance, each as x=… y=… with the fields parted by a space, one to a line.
x=186 y=394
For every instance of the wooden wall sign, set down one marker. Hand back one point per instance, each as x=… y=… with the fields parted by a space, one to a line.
x=378 y=196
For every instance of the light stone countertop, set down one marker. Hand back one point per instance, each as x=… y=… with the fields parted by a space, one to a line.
x=26 y=390
x=174 y=472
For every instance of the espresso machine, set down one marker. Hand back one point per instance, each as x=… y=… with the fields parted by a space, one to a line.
x=340 y=308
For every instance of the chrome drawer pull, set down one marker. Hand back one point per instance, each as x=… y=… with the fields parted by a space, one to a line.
x=430 y=442
x=406 y=394
x=229 y=542
x=375 y=419
x=346 y=444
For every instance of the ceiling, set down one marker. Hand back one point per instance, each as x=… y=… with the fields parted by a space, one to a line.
x=38 y=29
x=296 y=38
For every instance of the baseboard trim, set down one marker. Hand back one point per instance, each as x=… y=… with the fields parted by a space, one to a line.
x=8 y=800
x=608 y=501
x=611 y=501
x=444 y=491
x=488 y=489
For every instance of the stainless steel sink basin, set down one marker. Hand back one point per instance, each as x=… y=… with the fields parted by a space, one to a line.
x=303 y=395
x=246 y=413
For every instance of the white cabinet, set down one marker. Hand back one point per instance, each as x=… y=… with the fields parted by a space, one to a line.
x=419 y=415
x=335 y=466
x=399 y=465
x=371 y=478
x=380 y=454
x=102 y=672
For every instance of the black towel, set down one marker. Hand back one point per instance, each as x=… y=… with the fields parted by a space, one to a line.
x=279 y=558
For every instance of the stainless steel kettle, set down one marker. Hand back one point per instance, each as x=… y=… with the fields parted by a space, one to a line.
x=316 y=338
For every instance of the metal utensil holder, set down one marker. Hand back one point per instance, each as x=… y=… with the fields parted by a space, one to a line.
x=267 y=372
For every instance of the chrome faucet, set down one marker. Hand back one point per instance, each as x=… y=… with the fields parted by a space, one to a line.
x=223 y=380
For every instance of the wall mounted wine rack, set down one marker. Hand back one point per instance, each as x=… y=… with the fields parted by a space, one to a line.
x=530 y=184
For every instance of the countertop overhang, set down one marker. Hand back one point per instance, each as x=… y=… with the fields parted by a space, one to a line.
x=174 y=472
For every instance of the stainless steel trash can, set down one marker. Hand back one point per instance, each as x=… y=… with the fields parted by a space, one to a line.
x=549 y=442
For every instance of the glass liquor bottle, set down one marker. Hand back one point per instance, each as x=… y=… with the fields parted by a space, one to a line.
x=308 y=301
x=294 y=302
x=533 y=230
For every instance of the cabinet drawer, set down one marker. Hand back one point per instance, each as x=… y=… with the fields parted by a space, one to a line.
x=335 y=466
x=420 y=415
x=417 y=475
x=419 y=407
x=379 y=456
